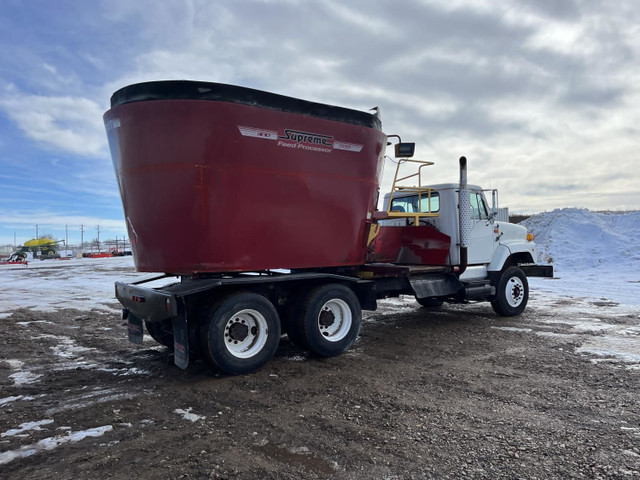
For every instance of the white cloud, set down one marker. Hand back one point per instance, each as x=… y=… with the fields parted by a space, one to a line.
x=72 y=124
x=50 y=68
x=562 y=38
x=428 y=107
x=480 y=6
x=356 y=18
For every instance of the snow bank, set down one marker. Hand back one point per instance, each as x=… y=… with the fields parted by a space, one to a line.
x=575 y=239
x=594 y=254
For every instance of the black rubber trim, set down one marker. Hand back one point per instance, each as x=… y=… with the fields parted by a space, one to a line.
x=220 y=92
x=533 y=270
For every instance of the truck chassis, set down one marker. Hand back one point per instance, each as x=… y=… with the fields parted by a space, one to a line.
x=234 y=321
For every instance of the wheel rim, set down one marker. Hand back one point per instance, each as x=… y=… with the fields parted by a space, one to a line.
x=514 y=292
x=334 y=320
x=245 y=333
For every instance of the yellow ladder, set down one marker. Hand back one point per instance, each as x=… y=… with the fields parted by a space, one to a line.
x=398 y=186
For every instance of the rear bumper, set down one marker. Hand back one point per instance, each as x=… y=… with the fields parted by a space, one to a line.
x=146 y=303
x=534 y=270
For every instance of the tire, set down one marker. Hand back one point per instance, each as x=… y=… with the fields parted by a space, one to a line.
x=512 y=293
x=328 y=322
x=240 y=333
x=432 y=303
x=161 y=332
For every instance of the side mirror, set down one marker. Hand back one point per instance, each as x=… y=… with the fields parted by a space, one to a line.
x=405 y=150
x=494 y=203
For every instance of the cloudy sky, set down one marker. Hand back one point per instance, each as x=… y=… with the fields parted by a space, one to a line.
x=542 y=96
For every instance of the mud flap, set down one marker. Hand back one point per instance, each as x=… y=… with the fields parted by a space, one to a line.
x=180 y=341
x=135 y=328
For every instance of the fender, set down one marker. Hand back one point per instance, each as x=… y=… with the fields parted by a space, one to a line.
x=502 y=253
x=500 y=256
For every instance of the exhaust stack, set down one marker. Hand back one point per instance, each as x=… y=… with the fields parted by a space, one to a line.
x=464 y=211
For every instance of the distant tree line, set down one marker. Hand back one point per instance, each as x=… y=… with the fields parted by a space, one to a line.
x=518 y=218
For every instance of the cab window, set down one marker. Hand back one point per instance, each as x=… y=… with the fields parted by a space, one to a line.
x=479 y=209
x=410 y=204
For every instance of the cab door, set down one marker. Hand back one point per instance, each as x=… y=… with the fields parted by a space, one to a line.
x=482 y=239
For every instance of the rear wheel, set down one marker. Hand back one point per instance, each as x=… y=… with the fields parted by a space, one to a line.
x=240 y=333
x=161 y=332
x=431 y=303
x=328 y=322
x=512 y=293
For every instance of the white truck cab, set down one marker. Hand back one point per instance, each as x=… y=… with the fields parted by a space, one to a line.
x=491 y=242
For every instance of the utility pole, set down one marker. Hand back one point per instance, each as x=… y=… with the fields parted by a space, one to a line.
x=81 y=238
x=36 y=231
x=98 y=238
x=66 y=236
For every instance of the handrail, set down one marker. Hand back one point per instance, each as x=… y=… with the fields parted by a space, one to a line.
x=419 y=189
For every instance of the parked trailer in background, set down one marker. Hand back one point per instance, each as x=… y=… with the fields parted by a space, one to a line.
x=264 y=208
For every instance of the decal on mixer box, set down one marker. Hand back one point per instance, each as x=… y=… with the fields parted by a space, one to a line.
x=298 y=139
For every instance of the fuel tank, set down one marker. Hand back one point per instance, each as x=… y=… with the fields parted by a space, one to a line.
x=221 y=178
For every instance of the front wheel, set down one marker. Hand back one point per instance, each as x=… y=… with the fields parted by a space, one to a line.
x=328 y=322
x=512 y=293
x=240 y=333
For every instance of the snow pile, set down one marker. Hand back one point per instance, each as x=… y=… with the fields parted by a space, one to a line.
x=594 y=254
x=575 y=239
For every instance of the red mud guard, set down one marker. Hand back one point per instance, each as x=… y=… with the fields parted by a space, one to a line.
x=135 y=329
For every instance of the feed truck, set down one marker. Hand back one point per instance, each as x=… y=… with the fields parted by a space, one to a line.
x=259 y=213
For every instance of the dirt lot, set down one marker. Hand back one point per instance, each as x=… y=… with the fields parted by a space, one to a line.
x=456 y=393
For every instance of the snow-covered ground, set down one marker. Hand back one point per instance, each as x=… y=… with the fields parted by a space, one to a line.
x=50 y=285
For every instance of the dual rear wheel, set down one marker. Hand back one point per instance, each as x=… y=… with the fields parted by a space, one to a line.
x=241 y=332
x=328 y=322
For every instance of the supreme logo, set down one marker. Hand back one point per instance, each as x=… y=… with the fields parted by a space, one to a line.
x=299 y=139
x=307 y=137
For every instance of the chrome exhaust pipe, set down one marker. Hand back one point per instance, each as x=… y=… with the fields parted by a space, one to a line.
x=464 y=213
